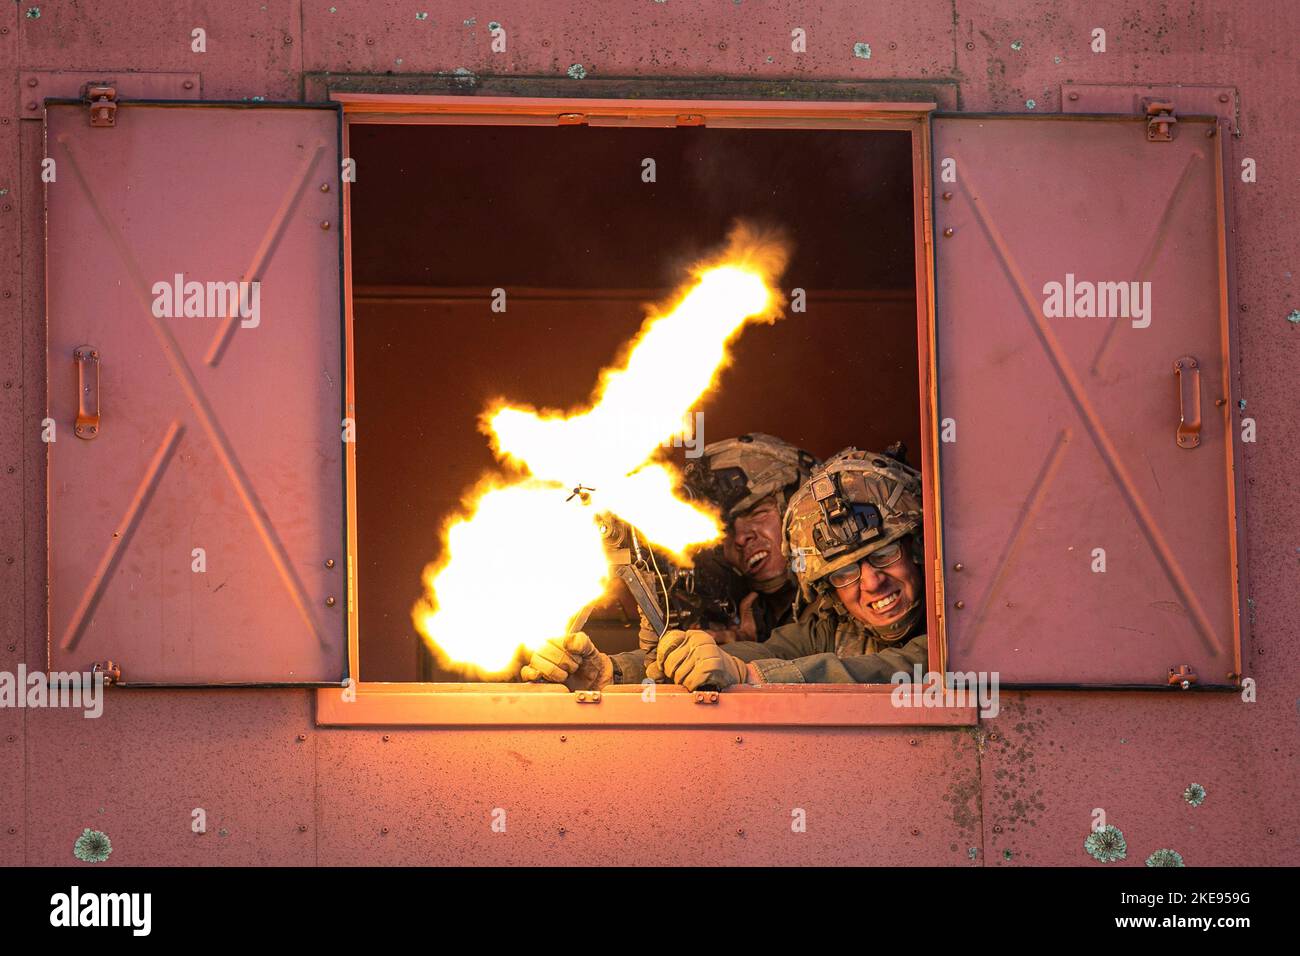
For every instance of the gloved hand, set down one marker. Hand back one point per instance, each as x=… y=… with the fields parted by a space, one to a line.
x=648 y=639
x=571 y=660
x=693 y=658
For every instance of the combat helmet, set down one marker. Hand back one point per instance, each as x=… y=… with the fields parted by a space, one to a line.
x=737 y=473
x=854 y=504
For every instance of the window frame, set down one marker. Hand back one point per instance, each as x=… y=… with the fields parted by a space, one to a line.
x=374 y=703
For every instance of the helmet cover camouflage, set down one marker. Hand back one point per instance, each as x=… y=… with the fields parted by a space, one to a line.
x=738 y=473
x=856 y=503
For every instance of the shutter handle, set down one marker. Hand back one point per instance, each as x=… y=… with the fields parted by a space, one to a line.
x=1188 y=372
x=87 y=359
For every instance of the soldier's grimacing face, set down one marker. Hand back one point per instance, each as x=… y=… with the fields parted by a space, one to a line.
x=883 y=595
x=753 y=543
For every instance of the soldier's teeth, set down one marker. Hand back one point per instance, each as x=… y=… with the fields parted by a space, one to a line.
x=758 y=559
x=885 y=603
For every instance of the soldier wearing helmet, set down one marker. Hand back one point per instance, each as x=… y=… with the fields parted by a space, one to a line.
x=853 y=537
x=750 y=480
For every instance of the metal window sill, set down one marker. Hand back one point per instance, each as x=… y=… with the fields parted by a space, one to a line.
x=528 y=705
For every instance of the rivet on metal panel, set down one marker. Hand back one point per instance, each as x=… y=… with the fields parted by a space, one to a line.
x=288 y=41
x=1220 y=402
x=325 y=224
x=324 y=187
x=740 y=832
x=302 y=828
x=563 y=738
x=706 y=697
x=13 y=830
x=970 y=46
x=893 y=46
x=947 y=195
x=1270 y=831
x=958 y=566
x=11 y=738
x=383 y=830
x=588 y=696
x=32 y=82
x=7 y=294
x=9 y=560
x=31 y=105
x=959 y=605
x=329 y=562
x=1223 y=97
x=11 y=647
x=562 y=831
x=948 y=231
x=188 y=84
x=916 y=831
x=993 y=736
x=1074 y=96
x=997 y=828
x=302 y=737
x=740 y=740
x=370 y=41
x=330 y=602
x=387 y=738
x=10 y=469
x=912 y=742
x=1244 y=307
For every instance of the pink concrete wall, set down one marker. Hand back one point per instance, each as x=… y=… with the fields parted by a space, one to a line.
x=1024 y=783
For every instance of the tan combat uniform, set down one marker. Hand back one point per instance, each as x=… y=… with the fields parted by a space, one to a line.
x=825 y=647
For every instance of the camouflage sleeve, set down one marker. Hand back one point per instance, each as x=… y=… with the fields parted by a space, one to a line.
x=787 y=642
x=629 y=667
x=826 y=668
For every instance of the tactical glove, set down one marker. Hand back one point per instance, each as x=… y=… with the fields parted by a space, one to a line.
x=571 y=660
x=693 y=659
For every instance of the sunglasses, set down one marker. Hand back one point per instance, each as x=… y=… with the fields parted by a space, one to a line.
x=851 y=574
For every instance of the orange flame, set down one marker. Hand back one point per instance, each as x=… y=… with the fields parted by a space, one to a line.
x=480 y=604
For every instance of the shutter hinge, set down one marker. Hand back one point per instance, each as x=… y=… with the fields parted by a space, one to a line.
x=112 y=672
x=1184 y=677
x=938 y=588
x=1160 y=120
x=103 y=105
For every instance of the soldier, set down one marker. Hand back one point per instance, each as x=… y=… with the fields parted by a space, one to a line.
x=853 y=534
x=750 y=479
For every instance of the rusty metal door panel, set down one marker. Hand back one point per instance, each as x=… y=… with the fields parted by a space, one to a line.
x=1067 y=456
x=219 y=433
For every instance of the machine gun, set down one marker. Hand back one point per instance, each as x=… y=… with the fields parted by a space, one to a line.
x=669 y=595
